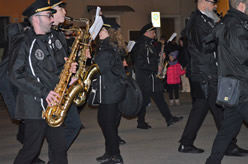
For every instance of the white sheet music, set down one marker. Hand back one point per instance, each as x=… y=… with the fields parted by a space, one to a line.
x=130 y=45
x=97 y=25
x=172 y=37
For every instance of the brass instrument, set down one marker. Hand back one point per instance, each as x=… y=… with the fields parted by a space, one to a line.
x=83 y=20
x=56 y=114
x=161 y=74
x=84 y=76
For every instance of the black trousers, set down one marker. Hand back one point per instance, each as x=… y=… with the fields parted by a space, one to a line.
x=35 y=132
x=108 y=116
x=233 y=119
x=72 y=125
x=159 y=100
x=198 y=113
x=173 y=90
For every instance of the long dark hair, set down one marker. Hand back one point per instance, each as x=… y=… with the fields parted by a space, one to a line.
x=116 y=40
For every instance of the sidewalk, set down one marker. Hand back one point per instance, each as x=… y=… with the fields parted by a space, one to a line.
x=157 y=145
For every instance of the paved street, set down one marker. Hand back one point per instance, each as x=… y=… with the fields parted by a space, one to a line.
x=154 y=146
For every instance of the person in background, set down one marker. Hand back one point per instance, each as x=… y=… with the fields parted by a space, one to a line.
x=112 y=88
x=171 y=45
x=146 y=65
x=182 y=59
x=174 y=73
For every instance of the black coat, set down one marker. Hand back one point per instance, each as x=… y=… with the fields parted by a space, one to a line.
x=112 y=87
x=146 y=59
x=203 y=67
x=230 y=38
x=7 y=89
x=36 y=73
x=198 y=27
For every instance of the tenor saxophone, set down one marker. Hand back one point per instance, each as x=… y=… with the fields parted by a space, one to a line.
x=161 y=74
x=83 y=74
x=55 y=115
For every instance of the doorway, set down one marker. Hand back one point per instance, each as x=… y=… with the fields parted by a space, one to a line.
x=167 y=27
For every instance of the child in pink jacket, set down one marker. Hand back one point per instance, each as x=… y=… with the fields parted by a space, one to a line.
x=174 y=73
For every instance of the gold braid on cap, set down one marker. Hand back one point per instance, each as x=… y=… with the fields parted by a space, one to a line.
x=43 y=9
x=56 y=4
x=107 y=25
x=150 y=29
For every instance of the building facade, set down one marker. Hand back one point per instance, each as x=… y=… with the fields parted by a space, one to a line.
x=130 y=14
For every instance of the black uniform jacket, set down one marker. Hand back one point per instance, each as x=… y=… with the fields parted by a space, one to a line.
x=231 y=39
x=34 y=69
x=112 y=87
x=146 y=60
x=7 y=89
x=203 y=63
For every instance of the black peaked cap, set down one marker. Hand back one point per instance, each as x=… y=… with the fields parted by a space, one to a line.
x=147 y=27
x=109 y=23
x=59 y=3
x=38 y=6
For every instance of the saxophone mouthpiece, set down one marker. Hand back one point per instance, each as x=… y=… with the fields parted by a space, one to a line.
x=68 y=18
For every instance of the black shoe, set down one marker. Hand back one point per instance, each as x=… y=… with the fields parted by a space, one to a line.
x=105 y=157
x=243 y=151
x=82 y=127
x=143 y=125
x=174 y=120
x=121 y=141
x=38 y=161
x=189 y=149
x=236 y=152
x=115 y=159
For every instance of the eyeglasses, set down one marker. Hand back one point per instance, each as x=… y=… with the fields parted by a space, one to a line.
x=47 y=15
x=213 y=2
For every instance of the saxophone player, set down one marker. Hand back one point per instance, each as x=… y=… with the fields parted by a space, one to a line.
x=146 y=68
x=33 y=69
x=72 y=121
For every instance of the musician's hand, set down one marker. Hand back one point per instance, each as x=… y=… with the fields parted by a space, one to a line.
x=87 y=53
x=52 y=98
x=124 y=63
x=164 y=55
x=159 y=68
x=73 y=79
x=73 y=68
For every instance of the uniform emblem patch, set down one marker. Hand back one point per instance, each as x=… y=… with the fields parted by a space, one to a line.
x=39 y=54
x=58 y=44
